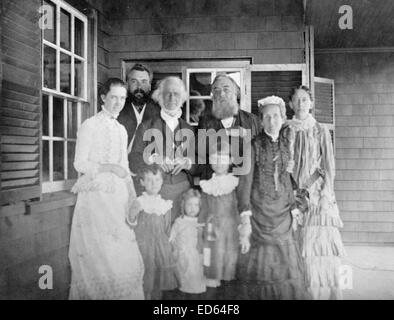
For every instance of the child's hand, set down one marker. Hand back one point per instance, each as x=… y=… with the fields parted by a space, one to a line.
x=134 y=210
x=245 y=244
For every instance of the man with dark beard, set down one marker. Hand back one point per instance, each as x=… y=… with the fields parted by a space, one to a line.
x=227 y=115
x=139 y=107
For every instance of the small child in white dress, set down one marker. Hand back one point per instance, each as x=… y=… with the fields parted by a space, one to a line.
x=185 y=236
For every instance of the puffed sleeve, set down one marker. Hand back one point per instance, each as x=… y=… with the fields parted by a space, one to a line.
x=85 y=137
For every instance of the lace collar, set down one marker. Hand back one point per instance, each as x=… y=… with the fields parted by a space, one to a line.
x=154 y=204
x=306 y=124
x=219 y=185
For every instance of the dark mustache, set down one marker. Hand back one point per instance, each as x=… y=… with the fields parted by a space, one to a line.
x=139 y=91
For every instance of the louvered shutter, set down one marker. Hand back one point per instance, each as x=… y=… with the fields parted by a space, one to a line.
x=324 y=110
x=20 y=101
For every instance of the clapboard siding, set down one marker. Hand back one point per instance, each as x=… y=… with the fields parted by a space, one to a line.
x=20 y=101
x=279 y=83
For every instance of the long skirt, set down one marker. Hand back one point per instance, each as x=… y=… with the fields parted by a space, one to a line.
x=105 y=260
x=273 y=271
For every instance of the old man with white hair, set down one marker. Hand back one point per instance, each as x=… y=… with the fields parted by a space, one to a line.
x=169 y=142
x=270 y=266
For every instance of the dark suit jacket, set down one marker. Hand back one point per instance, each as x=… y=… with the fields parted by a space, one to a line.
x=136 y=160
x=128 y=119
x=243 y=119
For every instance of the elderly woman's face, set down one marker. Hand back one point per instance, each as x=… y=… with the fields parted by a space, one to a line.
x=172 y=95
x=272 y=119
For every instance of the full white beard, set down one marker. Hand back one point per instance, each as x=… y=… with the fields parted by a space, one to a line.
x=224 y=108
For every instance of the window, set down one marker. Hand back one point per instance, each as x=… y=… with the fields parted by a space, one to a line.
x=64 y=93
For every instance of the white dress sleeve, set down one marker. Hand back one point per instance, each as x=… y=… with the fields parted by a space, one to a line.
x=85 y=136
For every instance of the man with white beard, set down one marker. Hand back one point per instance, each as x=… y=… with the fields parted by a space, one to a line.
x=227 y=115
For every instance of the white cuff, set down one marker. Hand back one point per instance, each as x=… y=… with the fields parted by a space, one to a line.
x=189 y=163
x=247 y=213
x=131 y=224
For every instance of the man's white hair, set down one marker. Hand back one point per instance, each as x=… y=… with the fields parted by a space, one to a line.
x=158 y=93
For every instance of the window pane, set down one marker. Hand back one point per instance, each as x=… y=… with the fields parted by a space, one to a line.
x=200 y=84
x=65 y=73
x=45 y=160
x=72 y=173
x=49 y=67
x=79 y=78
x=58 y=160
x=72 y=120
x=65 y=30
x=79 y=40
x=45 y=115
x=58 y=117
x=50 y=22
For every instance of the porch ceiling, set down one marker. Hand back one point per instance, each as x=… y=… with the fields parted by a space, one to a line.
x=373 y=23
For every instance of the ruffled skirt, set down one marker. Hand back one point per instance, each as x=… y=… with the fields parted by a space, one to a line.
x=272 y=271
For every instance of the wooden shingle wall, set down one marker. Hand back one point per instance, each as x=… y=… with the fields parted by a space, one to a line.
x=364 y=87
x=268 y=31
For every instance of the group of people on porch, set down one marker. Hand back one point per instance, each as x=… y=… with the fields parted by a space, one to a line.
x=253 y=216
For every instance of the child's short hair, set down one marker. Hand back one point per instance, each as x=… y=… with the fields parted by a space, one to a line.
x=189 y=194
x=151 y=168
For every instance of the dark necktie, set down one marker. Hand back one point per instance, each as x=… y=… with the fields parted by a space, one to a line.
x=139 y=108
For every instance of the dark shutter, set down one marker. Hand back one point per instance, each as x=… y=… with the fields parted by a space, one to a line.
x=324 y=101
x=279 y=83
x=325 y=104
x=20 y=101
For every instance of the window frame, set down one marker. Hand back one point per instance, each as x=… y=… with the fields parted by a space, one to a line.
x=54 y=186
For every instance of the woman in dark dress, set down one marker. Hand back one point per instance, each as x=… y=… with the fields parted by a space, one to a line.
x=271 y=265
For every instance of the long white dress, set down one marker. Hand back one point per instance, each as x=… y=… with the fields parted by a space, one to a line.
x=105 y=260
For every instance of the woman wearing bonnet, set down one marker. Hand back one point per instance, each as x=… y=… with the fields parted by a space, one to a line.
x=270 y=265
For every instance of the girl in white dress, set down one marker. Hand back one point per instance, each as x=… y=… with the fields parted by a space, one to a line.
x=186 y=234
x=105 y=260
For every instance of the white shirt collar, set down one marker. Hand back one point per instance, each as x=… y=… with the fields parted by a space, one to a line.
x=274 y=138
x=228 y=122
x=139 y=115
x=171 y=121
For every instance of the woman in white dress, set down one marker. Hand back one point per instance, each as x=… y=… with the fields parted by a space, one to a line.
x=105 y=260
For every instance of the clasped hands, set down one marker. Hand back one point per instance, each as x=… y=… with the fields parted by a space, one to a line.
x=173 y=166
